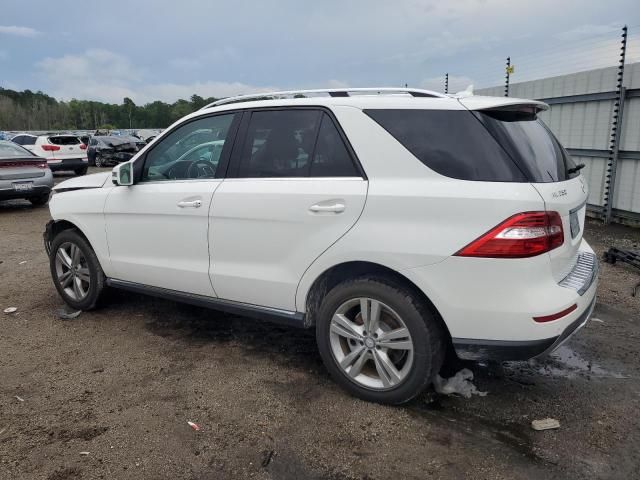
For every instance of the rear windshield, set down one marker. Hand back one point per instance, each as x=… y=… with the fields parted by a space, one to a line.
x=530 y=143
x=451 y=142
x=65 y=140
x=10 y=150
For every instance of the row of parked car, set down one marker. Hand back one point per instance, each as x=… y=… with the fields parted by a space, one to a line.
x=28 y=160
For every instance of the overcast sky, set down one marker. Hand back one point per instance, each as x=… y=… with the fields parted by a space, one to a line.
x=157 y=49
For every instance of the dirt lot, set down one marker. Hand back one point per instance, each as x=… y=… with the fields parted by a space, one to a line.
x=122 y=382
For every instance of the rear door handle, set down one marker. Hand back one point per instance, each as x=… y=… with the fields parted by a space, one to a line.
x=333 y=208
x=190 y=204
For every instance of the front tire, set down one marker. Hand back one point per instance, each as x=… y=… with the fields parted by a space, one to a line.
x=99 y=162
x=75 y=270
x=378 y=340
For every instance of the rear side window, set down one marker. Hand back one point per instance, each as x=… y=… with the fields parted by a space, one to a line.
x=294 y=143
x=27 y=140
x=279 y=143
x=451 y=142
x=64 y=140
x=530 y=143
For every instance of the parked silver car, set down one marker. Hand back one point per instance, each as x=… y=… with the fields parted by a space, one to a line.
x=23 y=174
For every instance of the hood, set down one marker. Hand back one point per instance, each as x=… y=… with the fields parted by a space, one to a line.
x=95 y=180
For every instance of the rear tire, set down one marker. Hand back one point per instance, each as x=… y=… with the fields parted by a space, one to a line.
x=379 y=366
x=39 y=201
x=81 y=171
x=75 y=270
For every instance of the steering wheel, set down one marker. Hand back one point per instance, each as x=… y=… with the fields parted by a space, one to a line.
x=201 y=168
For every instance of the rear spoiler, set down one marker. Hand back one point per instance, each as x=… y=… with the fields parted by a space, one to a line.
x=505 y=104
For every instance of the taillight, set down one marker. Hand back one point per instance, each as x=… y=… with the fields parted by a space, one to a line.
x=523 y=235
x=50 y=148
x=83 y=146
x=42 y=164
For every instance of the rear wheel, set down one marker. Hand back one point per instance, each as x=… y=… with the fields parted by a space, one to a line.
x=378 y=341
x=75 y=270
x=81 y=171
x=39 y=201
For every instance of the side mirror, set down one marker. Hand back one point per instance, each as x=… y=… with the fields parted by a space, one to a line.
x=122 y=174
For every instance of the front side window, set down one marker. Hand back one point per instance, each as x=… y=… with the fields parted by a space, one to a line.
x=192 y=151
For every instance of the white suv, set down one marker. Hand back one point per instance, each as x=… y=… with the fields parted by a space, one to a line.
x=401 y=225
x=62 y=151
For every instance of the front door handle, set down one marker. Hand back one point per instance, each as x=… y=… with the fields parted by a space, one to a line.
x=332 y=208
x=191 y=204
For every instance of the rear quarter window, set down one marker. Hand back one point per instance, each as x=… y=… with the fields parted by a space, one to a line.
x=451 y=142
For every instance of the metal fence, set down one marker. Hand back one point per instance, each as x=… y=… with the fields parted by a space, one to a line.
x=585 y=116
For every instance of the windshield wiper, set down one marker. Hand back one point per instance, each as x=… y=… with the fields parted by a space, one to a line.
x=575 y=169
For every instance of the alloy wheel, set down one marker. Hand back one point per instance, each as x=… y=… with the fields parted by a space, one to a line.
x=72 y=271
x=371 y=343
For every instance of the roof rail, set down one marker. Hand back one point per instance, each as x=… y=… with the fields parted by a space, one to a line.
x=332 y=92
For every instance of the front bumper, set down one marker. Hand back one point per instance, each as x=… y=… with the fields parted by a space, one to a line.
x=48 y=236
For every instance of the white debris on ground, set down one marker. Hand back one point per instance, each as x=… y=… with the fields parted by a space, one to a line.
x=545 y=424
x=597 y=320
x=10 y=310
x=459 y=384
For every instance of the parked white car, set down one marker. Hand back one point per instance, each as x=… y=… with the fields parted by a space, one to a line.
x=400 y=224
x=62 y=151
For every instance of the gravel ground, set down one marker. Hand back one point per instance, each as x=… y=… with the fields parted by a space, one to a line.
x=121 y=383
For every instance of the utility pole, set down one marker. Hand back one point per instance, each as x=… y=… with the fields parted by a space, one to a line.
x=446 y=83
x=509 y=71
x=616 y=131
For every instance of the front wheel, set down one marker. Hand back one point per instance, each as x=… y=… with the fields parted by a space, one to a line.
x=75 y=270
x=99 y=162
x=378 y=340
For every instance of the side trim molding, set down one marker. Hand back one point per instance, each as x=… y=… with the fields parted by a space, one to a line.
x=284 y=317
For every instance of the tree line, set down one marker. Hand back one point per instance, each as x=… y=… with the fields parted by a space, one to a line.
x=29 y=110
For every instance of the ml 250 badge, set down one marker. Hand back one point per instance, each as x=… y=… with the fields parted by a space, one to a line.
x=559 y=193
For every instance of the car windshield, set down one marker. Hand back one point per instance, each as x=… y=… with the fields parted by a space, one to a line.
x=10 y=150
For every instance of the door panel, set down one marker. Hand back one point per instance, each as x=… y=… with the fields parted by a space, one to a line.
x=266 y=232
x=157 y=229
x=157 y=234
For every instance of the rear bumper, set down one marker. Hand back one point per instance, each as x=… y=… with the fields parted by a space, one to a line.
x=489 y=305
x=67 y=164
x=501 y=350
x=36 y=191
